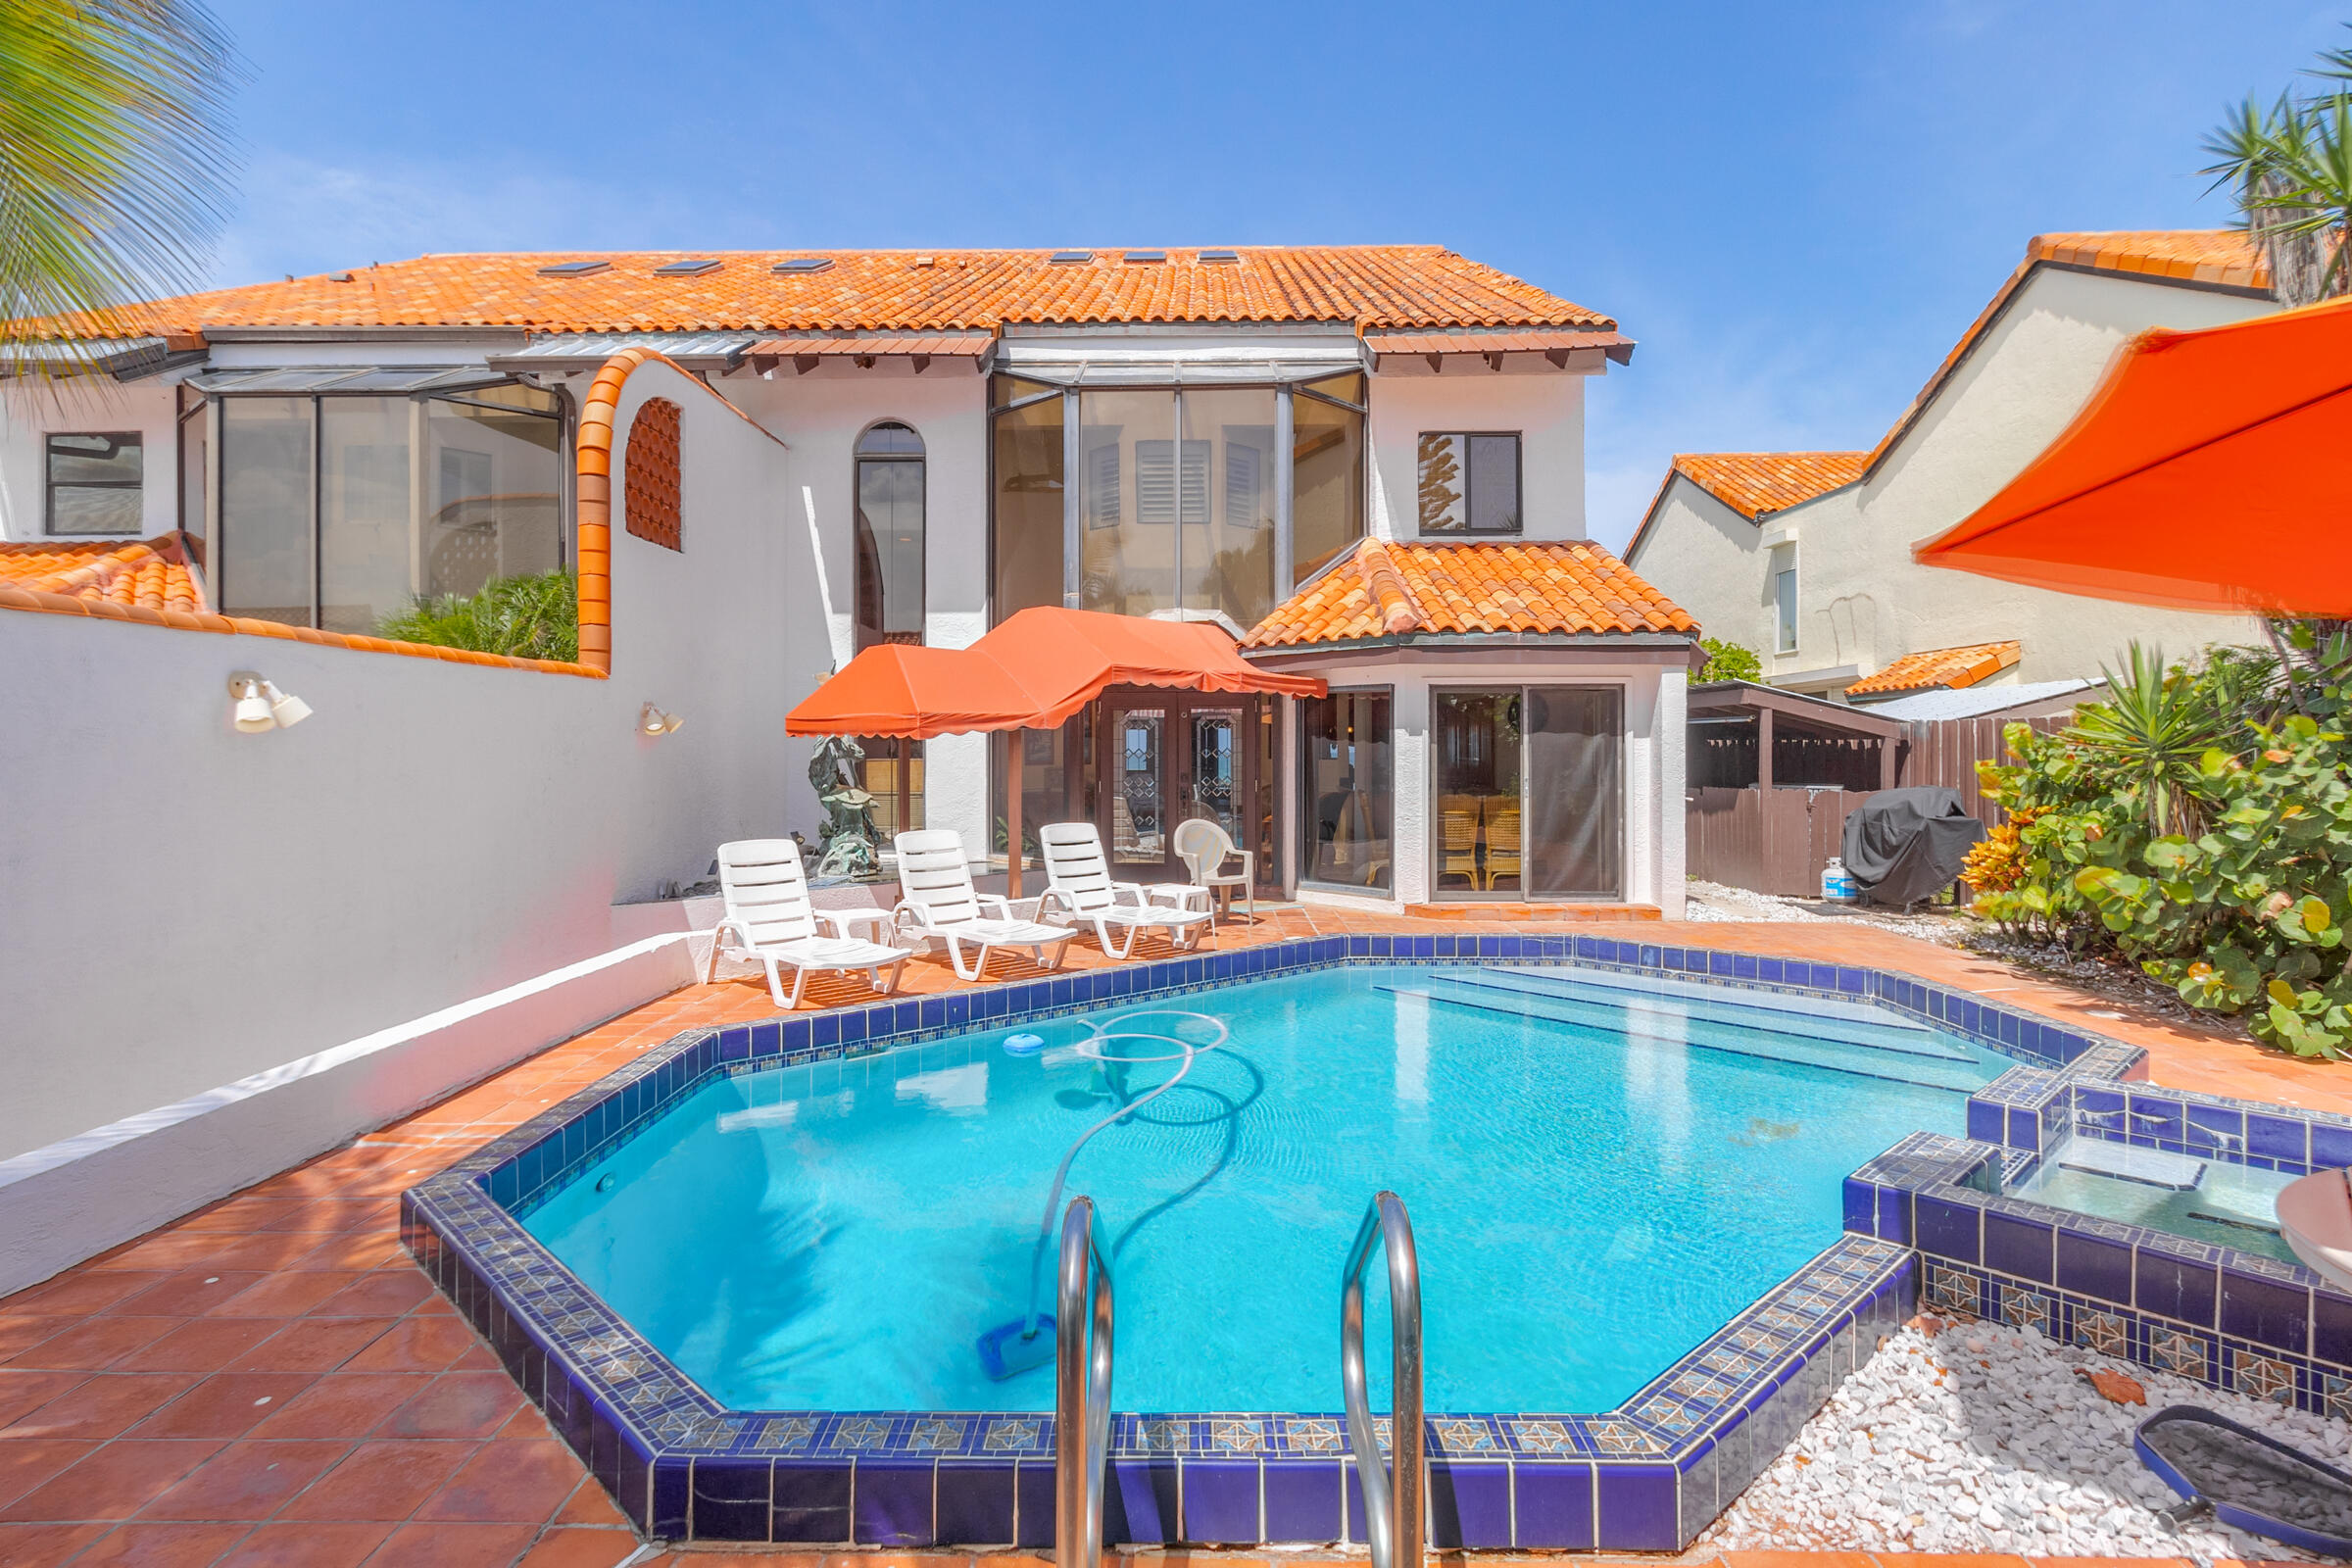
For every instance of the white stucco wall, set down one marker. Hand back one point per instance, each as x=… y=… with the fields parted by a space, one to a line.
x=1546 y=410
x=1862 y=600
x=186 y=907
x=822 y=415
x=31 y=410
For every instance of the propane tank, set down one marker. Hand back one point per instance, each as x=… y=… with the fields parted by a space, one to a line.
x=1837 y=883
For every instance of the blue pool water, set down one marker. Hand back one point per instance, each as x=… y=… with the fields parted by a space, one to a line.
x=1601 y=1171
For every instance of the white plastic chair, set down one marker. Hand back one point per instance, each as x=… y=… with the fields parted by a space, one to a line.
x=935 y=899
x=769 y=920
x=1078 y=883
x=1202 y=846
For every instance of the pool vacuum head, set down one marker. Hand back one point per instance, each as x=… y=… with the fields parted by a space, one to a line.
x=2252 y=1481
x=1004 y=1353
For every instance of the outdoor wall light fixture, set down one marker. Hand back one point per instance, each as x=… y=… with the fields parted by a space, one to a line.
x=260 y=706
x=651 y=720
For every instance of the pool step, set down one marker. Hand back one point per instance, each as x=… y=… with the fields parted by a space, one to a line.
x=1683 y=1011
x=1687 y=1035
x=2126 y=1163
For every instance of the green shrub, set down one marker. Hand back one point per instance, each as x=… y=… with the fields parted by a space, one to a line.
x=1729 y=661
x=2225 y=873
x=525 y=617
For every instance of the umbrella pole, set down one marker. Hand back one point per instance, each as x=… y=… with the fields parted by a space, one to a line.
x=1013 y=747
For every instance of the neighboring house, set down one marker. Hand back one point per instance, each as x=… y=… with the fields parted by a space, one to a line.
x=1805 y=556
x=1230 y=435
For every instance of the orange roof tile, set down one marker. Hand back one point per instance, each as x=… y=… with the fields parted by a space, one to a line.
x=153 y=573
x=1388 y=589
x=1756 y=483
x=1950 y=667
x=2212 y=258
x=1370 y=286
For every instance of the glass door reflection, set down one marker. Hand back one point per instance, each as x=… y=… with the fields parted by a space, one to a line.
x=1214 y=788
x=1138 y=793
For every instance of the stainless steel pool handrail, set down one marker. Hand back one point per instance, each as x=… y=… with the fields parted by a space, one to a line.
x=1081 y=1387
x=1391 y=1505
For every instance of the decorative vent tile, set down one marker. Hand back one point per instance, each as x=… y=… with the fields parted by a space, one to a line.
x=651 y=474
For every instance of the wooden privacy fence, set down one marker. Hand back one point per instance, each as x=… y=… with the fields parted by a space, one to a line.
x=1778 y=840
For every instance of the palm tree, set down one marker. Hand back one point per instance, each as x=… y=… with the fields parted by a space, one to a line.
x=115 y=166
x=2267 y=158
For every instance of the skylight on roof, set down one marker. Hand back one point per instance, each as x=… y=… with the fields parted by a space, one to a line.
x=1147 y=256
x=805 y=263
x=688 y=267
x=575 y=269
x=1065 y=258
x=1220 y=256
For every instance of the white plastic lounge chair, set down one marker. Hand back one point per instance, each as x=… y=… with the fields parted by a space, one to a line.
x=769 y=920
x=935 y=899
x=1203 y=846
x=1079 y=890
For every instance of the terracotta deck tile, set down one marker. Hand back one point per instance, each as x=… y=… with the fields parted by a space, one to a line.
x=93 y=1345
x=580 y=1548
x=91 y=1288
x=383 y=1293
x=310 y=1345
x=43 y=1546
x=438 y=1546
x=141 y=1544
x=225 y=1404
x=383 y=1480
x=524 y=1482
x=21 y=1333
x=189 y=1293
x=284 y=1295
x=27 y=1462
x=101 y=1407
x=589 y=1505
x=201 y=1344
x=342 y=1404
x=248 y=1480
x=307 y=1546
x=456 y=1404
x=114 y=1482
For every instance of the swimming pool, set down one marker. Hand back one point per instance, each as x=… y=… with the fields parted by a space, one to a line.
x=1601 y=1172
x=1584 y=1081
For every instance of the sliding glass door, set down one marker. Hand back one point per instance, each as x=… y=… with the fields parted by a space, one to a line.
x=1528 y=793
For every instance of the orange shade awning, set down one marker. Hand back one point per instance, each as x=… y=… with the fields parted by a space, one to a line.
x=1032 y=672
x=2209 y=471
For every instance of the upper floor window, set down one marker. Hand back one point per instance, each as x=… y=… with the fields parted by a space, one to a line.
x=1178 y=501
x=94 y=483
x=890 y=535
x=1783 y=598
x=338 y=511
x=1469 y=482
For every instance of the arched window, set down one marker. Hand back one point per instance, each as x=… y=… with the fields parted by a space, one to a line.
x=890 y=535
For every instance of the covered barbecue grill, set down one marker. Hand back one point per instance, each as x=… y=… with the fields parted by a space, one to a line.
x=1905 y=845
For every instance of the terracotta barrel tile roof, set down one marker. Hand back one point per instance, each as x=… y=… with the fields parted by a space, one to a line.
x=1950 y=667
x=152 y=573
x=1390 y=589
x=1754 y=483
x=1368 y=285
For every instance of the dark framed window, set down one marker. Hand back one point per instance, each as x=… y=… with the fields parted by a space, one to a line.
x=1469 y=482
x=95 y=483
x=889 y=535
x=1784 y=604
x=1346 y=790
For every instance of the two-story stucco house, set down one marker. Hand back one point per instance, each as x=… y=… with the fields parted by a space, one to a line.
x=1805 y=556
x=1367 y=463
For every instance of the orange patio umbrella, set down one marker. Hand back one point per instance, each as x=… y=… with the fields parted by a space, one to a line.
x=2209 y=470
x=1032 y=672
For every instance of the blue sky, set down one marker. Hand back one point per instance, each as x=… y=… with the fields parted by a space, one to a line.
x=1794 y=209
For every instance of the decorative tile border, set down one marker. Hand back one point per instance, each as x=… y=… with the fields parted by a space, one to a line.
x=1647 y=1476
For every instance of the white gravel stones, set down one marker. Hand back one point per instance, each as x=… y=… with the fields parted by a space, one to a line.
x=1987 y=1440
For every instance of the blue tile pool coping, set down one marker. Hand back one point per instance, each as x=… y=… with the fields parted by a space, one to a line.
x=1647 y=1476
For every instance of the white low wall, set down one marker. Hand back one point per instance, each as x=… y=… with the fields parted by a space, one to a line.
x=184 y=908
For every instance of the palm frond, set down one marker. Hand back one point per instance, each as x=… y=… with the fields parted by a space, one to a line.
x=116 y=160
